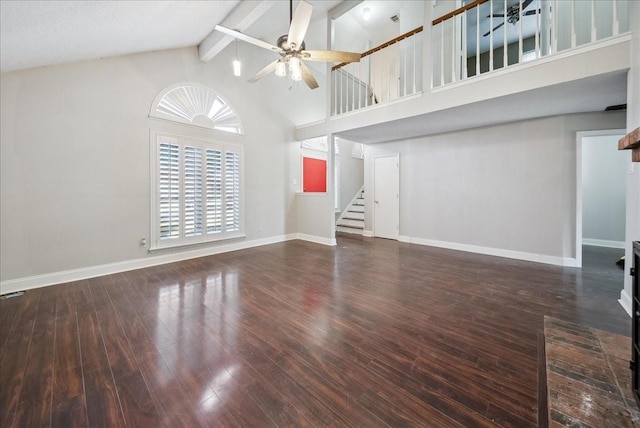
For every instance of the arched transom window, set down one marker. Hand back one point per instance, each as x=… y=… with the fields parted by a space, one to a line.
x=196 y=105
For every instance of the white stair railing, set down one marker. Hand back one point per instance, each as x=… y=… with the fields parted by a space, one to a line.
x=485 y=35
x=385 y=73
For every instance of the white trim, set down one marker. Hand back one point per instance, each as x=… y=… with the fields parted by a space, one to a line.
x=367 y=233
x=61 y=277
x=578 y=196
x=603 y=243
x=317 y=239
x=311 y=193
x=37 y=281
x=625 y=302
x=610 y=41
x=498 y=252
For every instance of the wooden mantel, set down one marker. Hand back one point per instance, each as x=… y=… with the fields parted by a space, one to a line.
x=631 y=141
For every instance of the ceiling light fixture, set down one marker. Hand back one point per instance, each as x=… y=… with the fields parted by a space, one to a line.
x=295 y=69
x=281 y=68
x=237 y=65
x=366 y=14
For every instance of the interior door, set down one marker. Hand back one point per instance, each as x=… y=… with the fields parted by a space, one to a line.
x=386 y=197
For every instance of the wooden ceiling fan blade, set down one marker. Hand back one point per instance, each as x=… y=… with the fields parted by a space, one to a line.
x=265 y=71
x=241 y=36
x=331 y=56
x=299 y=24
x=307 y=76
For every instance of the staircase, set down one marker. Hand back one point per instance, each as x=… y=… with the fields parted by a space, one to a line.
x=352 y=219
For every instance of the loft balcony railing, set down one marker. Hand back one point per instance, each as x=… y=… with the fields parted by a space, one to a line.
x=471 y=40
x=385 y=73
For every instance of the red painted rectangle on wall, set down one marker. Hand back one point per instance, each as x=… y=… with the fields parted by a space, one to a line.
x=314 y=175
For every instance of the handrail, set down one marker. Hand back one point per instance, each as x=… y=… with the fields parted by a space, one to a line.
x=382 y=46
x=458 y=11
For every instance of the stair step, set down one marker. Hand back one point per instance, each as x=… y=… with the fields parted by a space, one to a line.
x=355 y=224
x=349 y=230
x=356 y=209
x=354 y=215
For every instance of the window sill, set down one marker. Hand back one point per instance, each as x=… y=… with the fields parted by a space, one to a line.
x=154 y=249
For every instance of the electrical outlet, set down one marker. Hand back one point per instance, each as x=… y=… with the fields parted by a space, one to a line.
x=143 y=242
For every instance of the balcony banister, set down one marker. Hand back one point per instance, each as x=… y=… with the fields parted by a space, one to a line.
x=458 y=11
x=382 y=46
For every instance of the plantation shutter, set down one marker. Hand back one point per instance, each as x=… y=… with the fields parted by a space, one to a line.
x=169 y=191
x=192 y=191
x=232 y=191
x=214 y=191
x=198 y=191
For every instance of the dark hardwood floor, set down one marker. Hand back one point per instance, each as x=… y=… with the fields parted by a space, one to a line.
x=368 y=333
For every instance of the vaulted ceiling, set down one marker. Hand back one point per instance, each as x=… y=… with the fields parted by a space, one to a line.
x=40 y=33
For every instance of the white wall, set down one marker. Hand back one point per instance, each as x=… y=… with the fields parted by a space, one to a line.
x=75 y=157
x=509 y=188
x=351 y=174
x=633 y=179
x=604 y=190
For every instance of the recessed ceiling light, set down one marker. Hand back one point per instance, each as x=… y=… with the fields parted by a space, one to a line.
x=366 y=14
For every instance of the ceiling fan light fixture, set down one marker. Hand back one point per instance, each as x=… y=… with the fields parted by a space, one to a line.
x=294 y=64
x=366 y=14
x=296 y=75
x=281 y=68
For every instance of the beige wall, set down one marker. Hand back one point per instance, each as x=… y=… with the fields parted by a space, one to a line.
x=75 y=184
x=509 y=187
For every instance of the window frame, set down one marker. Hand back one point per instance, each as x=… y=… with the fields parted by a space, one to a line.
x=157 y=138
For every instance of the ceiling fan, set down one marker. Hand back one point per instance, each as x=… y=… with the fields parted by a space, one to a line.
x=292 y=49
x=512 y=16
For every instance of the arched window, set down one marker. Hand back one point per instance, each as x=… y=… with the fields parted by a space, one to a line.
x=197 y=177
x=198 y=105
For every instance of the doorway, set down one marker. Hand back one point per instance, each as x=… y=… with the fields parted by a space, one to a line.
x=601 y=192
x=386 y=196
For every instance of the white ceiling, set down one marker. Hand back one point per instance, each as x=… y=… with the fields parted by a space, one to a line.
x=39 y=33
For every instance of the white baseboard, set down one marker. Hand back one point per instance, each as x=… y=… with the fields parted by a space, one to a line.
x=367 y=233
x=498 y=252
x=603 y=243
x=625 y=301
x=317 y=239
x=37 y=281
x=570 y=262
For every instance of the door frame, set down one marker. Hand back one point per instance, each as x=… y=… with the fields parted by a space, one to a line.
x=373 y=214
x=579 y=136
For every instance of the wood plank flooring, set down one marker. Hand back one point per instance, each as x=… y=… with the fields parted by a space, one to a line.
x=369 y=333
